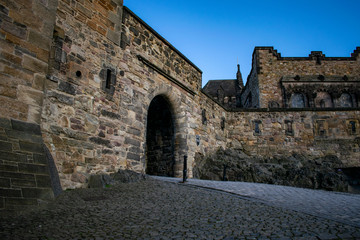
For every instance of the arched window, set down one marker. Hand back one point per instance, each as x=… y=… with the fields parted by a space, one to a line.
x=297 y=100
x=323 y=100
x=345 y=100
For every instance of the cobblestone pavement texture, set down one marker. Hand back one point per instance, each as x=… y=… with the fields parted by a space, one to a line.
x=155 y=209
x=342 y=207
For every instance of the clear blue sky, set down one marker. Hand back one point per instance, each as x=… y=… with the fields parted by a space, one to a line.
x=215 y=35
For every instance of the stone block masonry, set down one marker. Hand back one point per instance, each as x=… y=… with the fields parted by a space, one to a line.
x=26 y=28
x=24 y=170
x=80 y=76
x=268 y=133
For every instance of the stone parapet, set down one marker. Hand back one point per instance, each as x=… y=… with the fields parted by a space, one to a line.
x=269 y=67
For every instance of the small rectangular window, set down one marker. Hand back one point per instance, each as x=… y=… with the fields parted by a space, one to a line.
x=222 y=123
x=289 y=127
x=108 y=79
x=321 y=128
x=203 y=117
x=257 y=130
x=352 y=127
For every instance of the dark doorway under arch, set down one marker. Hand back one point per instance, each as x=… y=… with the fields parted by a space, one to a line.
x=160 y=138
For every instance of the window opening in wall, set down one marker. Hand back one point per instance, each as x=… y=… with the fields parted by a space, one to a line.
x=345 y=100
x=257 y=127
x=322 y=103
x=78 y=74
x=288 y=127
x=297 y=100
x=203 y=116
x=108 y=79
x=222 y=123
x=321 y=128
x=352 y=127
x=323 y=100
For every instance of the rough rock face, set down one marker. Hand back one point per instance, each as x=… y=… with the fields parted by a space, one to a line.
x=121 y=176
x=296 y=170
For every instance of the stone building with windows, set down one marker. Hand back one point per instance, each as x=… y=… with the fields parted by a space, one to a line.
x=87 y=87
x=226 y=92
x=302 y=82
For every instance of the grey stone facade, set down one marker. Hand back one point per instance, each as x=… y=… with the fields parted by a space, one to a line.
x=88 y=73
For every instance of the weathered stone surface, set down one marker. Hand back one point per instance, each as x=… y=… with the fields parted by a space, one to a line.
x=33 y=168
x=38 y=193
x=5 y=146
x=100 y=141
x=17 y=29
x=39 y=158
x=113 y=36
x=132 y=142
x=67 y=87
x=99 y=181
x=4 y=183
x=34 y=64
x=14 y=157
x=31 y=147
x=93 y=104
x=30 y=128
x=10 y=192
x=296 y=170
x=133 y=156
x=110 y=114
x=61 y=97
x=39 y=40
x=121 y=176
x=22 y=183
x=5 y=123
x=17 y=175
x=27 y=27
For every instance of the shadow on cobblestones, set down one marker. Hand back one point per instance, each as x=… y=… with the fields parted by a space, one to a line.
x=154 y=209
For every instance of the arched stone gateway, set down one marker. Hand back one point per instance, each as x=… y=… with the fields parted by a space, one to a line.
x=160 y=138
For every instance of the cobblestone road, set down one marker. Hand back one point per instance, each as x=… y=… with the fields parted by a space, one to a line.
x=342 y=207
x=156 y=209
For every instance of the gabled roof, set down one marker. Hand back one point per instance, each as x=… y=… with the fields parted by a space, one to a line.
x=229 y=86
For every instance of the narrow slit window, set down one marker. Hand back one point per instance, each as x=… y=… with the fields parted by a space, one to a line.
x=257 y=130
x=203 y=116
x=289 y=127
x=222 y=123
x=108 y=79
x=321 y=128
x=352 y=127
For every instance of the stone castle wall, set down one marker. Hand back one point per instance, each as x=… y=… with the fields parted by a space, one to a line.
x=81 y=119
x=77 y=80
x=250 y=96
x=25 y=40
x=91 y=128
x=25 y=46
x=212 y=128
x=267 y=133
x=271 y=67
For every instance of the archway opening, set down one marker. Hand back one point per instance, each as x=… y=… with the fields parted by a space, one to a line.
x=160 y=140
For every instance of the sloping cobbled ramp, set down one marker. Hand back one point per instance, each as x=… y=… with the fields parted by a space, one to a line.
x=335 y=206
x=163 y=208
